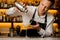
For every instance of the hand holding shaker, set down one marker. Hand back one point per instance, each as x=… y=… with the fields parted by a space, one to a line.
x=21 y=7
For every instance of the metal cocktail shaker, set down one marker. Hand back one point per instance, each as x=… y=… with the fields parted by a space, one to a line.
x=21 y=7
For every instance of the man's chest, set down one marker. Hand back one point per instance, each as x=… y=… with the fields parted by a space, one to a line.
x=38 y=19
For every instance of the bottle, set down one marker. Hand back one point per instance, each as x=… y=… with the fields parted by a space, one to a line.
x=4 y=18
x=14 y=19
x=0 y=18
x=11 y=34
x=21 y=7
x=2 y=5
x=5 y=5
x=18 y=19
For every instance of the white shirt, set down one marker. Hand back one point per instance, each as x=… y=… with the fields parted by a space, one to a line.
x=27 y=17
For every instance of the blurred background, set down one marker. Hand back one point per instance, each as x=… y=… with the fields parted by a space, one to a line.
x=9 y=26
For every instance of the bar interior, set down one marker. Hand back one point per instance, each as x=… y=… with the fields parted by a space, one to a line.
x=9 y=26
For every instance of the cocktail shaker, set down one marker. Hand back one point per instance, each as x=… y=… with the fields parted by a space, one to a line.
x=21 y=7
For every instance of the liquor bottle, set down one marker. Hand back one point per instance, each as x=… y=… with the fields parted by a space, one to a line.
x=9 y=19
x=14 y=20
x=20 y=18
x=0 y=18
x=5 y=5
x=2 y=5
x=3 y=18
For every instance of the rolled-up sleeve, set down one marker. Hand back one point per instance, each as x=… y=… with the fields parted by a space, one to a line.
x=48 y=31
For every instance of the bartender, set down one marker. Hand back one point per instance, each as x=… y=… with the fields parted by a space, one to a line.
x=38 y=15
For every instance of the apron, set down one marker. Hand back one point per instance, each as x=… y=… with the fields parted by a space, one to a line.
x=34 y=32
x=42 y=25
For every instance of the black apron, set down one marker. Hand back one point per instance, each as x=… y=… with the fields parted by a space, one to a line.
x=34 y=32
x=42 y=25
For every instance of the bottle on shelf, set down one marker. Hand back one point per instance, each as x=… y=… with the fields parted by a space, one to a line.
x=3 y=18
x=2 y=5
x=5 y=5
x=14 y=19
x=0 y=18
x=18 y=19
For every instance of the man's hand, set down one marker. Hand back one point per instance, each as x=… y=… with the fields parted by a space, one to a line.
x=24 y=5
x=16 y=9
x=37 y=27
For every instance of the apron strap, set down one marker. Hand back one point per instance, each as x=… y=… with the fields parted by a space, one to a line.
x=34 y=14
x=46 y=19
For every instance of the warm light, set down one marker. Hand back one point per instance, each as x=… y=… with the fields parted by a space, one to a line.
x=2 y=11
x=55 y=25
x=5 y=25
x=21 y=26
x=53 y=12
